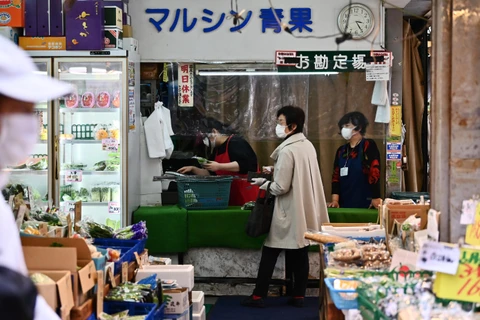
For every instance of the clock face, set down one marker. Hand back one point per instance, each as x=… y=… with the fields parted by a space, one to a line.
x=360 y=23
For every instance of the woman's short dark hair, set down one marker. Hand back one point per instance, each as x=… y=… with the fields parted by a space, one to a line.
x=357 y=119
x=211 y=123
x=293 y=115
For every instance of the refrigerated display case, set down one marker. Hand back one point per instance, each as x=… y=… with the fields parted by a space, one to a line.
x=91 y=130
x=32 y=173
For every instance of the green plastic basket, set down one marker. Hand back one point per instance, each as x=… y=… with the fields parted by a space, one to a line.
x=83 y=131
x=204 y=192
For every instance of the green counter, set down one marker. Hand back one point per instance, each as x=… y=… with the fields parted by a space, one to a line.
x=167 y=228
x=173 y=229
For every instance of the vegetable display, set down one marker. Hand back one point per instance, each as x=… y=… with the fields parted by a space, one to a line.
x=137 y=231
x=132 y=292
x=97 y=230
x=38 y=163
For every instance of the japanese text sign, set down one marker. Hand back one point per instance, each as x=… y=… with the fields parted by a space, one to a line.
x=73 y=176
x=395 y=121
x=110 y=145
x=472 y=235
x=440 y=257
x=114 y=207
x=464 y=285
x=185 y=85
x=322 y=61
x=169 y=20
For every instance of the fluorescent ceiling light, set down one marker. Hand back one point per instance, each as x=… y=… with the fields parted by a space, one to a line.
x=260 y=73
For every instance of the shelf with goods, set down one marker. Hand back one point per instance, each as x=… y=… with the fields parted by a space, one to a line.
x=89 y=126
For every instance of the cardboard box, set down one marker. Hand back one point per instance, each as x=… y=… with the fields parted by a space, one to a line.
x=56 y=19
x=130 y=44
x=184 y=274
x=127 y=31
x=176 y=301
x=84 y=26
x=401 y=212
x=113 y=17
x=11 y=33
x=43 y=43
x=30 y=18
x=113 y=38
x=59 y=296
x=12 y=13
x=39 y=255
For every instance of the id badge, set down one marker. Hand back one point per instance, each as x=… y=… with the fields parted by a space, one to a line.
x=344 y=172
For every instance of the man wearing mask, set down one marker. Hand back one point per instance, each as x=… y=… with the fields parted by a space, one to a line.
x=20 y=88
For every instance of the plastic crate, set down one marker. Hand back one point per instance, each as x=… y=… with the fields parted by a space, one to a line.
x=415 y=196
x=150 y=310
x=370 y=311
x=138 y=245
x=343 y=299
x=204 y=193
x=126 y=255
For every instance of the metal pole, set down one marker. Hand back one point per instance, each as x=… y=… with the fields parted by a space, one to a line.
x=441 y=112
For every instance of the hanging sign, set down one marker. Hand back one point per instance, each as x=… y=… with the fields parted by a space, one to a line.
x=396 y=121
x=464 y=285
x=185 y=85
x=113 y=207
x=325 y=61
x=74 y=176
x=472 y=235
x=110 y=145
x=377 y=72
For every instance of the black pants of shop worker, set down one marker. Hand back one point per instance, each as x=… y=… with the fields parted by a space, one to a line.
x=297 y=259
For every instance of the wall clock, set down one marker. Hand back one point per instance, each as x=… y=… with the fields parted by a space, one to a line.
x=361 y=21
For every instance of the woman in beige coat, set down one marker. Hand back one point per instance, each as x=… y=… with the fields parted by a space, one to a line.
x=299 y=205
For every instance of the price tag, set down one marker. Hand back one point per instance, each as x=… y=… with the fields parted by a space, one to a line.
x=100 y=287
x=10 y=201
x=468 y=212
x=139 y=261
x=465 y=284
x=110 y=145
x=20 y=215
x=439 y=257
x=69 y=226
x=472 y=235
x=113 y=207
x=73 y=176
x=112 y=278
x=124 y=272
x=30 y=197
x=145 y=257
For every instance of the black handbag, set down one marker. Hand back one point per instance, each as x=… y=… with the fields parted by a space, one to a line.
x=260 y=218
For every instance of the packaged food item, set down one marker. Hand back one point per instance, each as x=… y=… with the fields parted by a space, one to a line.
x=88 y=100
x=71 y=101
x=116 y=99
x=40 y=163
x=101 y=132
x=103 y=100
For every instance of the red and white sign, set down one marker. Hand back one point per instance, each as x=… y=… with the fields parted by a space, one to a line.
x=185 y=85
x=281 y=55
x=387 y=57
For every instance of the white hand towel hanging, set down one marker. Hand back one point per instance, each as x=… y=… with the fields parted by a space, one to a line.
x=165 y=120
x=381 y=99
x=154 y=135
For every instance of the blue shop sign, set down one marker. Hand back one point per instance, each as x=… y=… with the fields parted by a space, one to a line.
x=394 y=146
x=300 y=20
x=394 y=156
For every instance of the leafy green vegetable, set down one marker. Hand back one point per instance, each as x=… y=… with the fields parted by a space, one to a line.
x=41 y=165
x=97 y=230
x=96 y=194
x=100 y=166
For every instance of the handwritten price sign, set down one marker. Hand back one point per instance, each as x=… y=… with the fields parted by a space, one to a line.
x=114 y=207
x=110 y=145
x=472 y=235
x=465 y=284
x=73 y=176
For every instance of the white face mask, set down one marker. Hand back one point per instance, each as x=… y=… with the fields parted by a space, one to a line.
x=18 y=136
x=206 y=141
x=347 y=133
x=280 y=131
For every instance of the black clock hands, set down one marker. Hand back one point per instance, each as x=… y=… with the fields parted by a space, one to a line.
x=358 y=24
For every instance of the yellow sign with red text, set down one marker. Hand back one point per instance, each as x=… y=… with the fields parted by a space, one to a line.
x=472 y=235
x=465 y=284
x=395 y=121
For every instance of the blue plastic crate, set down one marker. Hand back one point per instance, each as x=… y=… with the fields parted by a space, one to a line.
x=150 y=310
x=126 y=255
x=343 y=299
x=138 y=244
x=204 y=192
